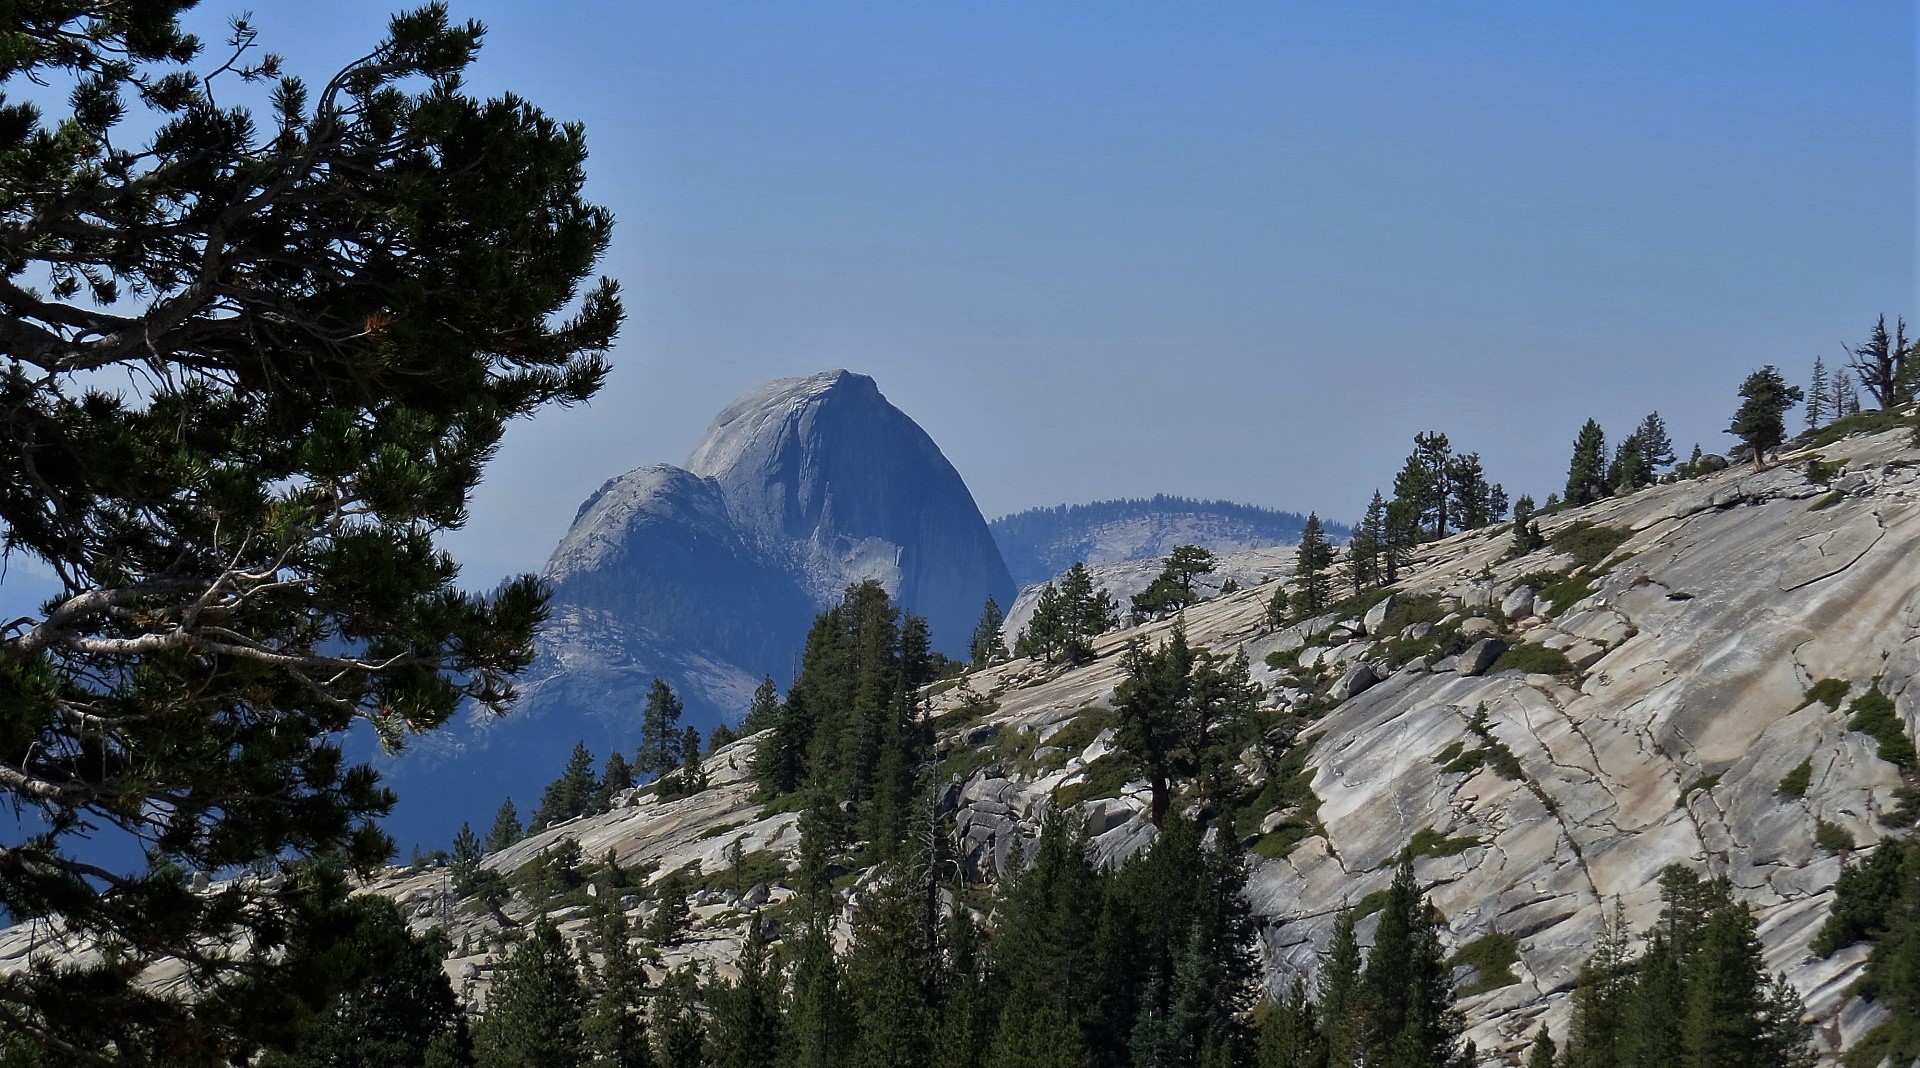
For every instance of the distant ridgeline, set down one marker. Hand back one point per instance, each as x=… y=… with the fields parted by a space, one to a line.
x=1040 y=543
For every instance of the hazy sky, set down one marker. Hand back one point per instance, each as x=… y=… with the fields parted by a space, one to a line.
x=1234 y=250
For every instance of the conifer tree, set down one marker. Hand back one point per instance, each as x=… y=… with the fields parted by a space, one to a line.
x=1600 y=995
x=394 y=1003
x=988 y=646
x=572 y=793
x=1760 y=421
x=1881 y=364
x=1290 y=1033
x=1540 y=1054
x=1628 y=471
x=465 y=860
x=1279 y=607
x=1655 y=446
x=1410 y=1020
x=615 y=1031
x=680 y=1034
x=1422 y=488
x=1817 y=399
x=1473 y=502
x=747 y=1029
x=1045 y=632
x=1343 y=996
x=1150 y=705
x=616 y=777
x=890 y=988
x=1086 y=611
x=691 y=776
x=535 y=1009
x=1526 y=529
x=764 y=711
x=257 y=362
x=659 y=754
x=1313 y=560
x=506 y=828
x=1587 y=472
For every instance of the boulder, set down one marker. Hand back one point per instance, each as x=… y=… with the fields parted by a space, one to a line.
x=1518 y=603
x=1479 y=627
x=756 y=896
x=981 y=735
x=1376 y=616
x=1416 y=631
x=1477 y=659
x=1356 y=682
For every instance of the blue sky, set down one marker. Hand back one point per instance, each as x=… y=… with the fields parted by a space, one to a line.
x=1235 y=250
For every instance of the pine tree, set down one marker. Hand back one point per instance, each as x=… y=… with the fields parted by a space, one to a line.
x=1045 y=632
x=1600 y=995
x=614 y=1029
x=506 y=828
x=535 y=1009
x=1365 y=547
x=1410 y=1021
x=1151 y=706
x=1312 y=561
x=1881 y=364
x=1628 y=471
x=1526 y=529
x=987 y=646
x=1586 y=473
x=571 y=794
x=1086 y=612
x=1473 y=502
x=1422 y=488
x=1279 y=607
x=1290 y=1033
x=465 y=858
x=1343 y=996
x=1655 y=446
x=680 y=1035
x=1540 y=1054
x=764 y=711
x=616 y=777
x=691 y=776
x=395 y=999
x=1760 y=421
x=1817 y=399
x=747 y=1029
x=889 y=987
x=332 y=308
x=659 y=753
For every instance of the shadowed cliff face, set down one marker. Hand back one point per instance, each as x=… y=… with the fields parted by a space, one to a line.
x=709 y=577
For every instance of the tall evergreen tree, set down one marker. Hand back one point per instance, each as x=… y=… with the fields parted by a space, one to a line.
x=659 y=754
x=1817 y=396
x=1410 y=1019
x=1760 y=421
x=1587 y=471
x=764 y=710
x=988 y=646
x=1422 y=487
x=615 y=1031
x=257 y=361
x=571 y=794
x=1541 y=1053
x=465 y=858
x=616 y=777
x=1472 y=501
x=680 y=1033
x=1655 y=445
x=890 y=987
x=1087 y=611
x=395 y=1002
x=1290 y=1033
x=1600 y=996
x=535 y=1009
x=1312 y=562
x=1526 y=529
x=1881 y=362
x=506 y=828
x=1343 y=996
x=747 y=1029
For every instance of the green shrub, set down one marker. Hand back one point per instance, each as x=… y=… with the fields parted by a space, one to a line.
x=1796 y=781
x=1533 y=660
x=1827 y=501
x=1865 y=423
x=1283 y=659
x=1085 y=727
x=1873 y=715
x=1369 y=905
x=1822 y=471
x=1829 y=692
x=1588 y=543
x=1105 y=777
x=1428 y=842
x=1450 y=753
x=1492 y=957
x=1831 y=837
x=1412 y=608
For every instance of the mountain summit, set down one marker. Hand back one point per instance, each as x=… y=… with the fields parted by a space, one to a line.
x=708 y=576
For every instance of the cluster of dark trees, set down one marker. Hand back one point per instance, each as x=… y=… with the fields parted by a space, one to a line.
x=1184 y=716
x=1066 y=619
x=1698 y=995
x=1151 y=964
x=1638 y=460
x=851 y=734
x=1877 y=900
